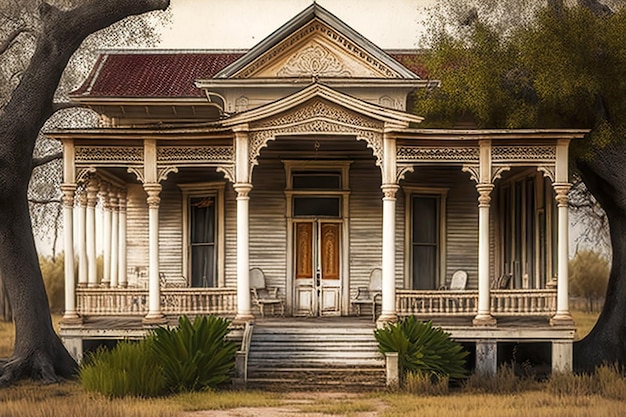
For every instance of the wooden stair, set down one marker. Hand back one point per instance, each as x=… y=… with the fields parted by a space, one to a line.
x=315 y=354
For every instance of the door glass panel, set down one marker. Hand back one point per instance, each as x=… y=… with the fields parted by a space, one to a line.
x=424 y=267
x=202 y=236
x=304 y=250
x=330 y=251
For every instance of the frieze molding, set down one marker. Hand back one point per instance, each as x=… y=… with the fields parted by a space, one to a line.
x=109 y=154
x=406 y=153
x=195 y=154
x=314 y=61
x=523 y=153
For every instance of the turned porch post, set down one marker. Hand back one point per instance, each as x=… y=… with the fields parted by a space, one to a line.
x=484 y=187
x=121 y=271
x=243 y=187
x=69 y=190
x=389 y=188
x=106 y=234
x=81 y=231
x=153 y=189
x=561 y=188
x=90 y=238
x=113 y=203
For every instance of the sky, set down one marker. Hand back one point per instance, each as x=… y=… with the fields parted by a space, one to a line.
x=237 y=24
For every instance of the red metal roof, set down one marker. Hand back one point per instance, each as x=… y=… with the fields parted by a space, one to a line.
x=172 y=74
x=159 y=74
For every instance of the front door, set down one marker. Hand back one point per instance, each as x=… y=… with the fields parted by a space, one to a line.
x=318 y=268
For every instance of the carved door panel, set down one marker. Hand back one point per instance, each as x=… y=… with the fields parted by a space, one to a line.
x=318 y=268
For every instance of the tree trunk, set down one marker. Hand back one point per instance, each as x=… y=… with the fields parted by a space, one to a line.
x=605 y=177
x=5 y=305
x=38 y=350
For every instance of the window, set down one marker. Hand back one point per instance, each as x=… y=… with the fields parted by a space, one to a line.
x=425 y=241
x=425 y=232
x=310 y=206
x=526 y=213
x=202 y=243
x=203 y=234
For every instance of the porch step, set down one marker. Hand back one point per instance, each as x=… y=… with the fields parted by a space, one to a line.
x=315 y=355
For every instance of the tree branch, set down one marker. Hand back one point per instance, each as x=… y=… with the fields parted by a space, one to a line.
x=6 y=44
x=46 y=159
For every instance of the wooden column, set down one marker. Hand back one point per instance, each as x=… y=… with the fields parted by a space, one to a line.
x=82 y=240
x=561 y=188
x=106 y=234
x=153 y=189
x=121 y=272
x=389 y=188
x=90 y=237
x=484 y=188
x=242 y=188
x=114 y=236
x=70 y=313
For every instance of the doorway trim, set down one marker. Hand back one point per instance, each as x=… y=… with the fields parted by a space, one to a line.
x=343 y=168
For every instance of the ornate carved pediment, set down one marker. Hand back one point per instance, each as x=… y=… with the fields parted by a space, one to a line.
x=316 y=50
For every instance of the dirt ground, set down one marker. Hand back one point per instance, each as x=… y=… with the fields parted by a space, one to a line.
x=296 y=404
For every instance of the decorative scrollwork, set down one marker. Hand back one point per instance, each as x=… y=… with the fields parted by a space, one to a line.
x=474 y=171
x=497 y=171
x=83 y=174
x=228 y=171
x=402 y=170
x=163 y=172
x=440 y=154
x=203 y=154
x=138 y=171
x=523 y=153
x=548 y=171
x=314 y=61
x=109 y=154
x=315 y=27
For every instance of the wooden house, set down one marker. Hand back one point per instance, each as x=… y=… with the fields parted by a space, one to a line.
x=297 y=165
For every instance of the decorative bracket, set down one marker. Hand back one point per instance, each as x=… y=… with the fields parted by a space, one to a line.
x=548 y=171
x=228 y=171
x=138 y=172
x=163 y=172
x=402 y=170
x=473 y=170
x=497 y=172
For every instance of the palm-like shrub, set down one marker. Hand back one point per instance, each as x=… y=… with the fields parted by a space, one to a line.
x=129 y=369
x=423 y=348
x=195 y=356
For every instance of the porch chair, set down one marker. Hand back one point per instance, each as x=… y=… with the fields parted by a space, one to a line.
x=458 y=282
x=263 y=295
x=371 y=295
x=502 y=282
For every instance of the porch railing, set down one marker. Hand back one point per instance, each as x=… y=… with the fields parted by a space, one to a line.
x=528 y=302
x=134 y=302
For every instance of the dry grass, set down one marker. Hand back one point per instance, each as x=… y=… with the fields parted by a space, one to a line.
x=584 y=322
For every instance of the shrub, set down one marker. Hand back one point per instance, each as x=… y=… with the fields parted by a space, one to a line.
x=608 y=381
x=195 y=356
x=423 y=348
x=503 y=382
x=129 y=369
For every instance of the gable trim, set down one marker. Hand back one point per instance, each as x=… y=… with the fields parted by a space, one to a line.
x=353 y=42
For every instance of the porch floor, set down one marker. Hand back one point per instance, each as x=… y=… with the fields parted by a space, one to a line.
x=461 y=328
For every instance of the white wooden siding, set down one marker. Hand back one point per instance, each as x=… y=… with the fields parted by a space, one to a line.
x=170 y=234
x=136 y=232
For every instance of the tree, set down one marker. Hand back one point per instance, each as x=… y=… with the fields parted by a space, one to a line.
x=588 y=275
x=558 y=66
x=38 y=350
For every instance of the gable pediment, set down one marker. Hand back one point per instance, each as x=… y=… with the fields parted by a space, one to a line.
x=317 y=50
x=316 y=44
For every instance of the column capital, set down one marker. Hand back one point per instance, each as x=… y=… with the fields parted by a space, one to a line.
x=242 y=189
x=484 y=194
x=390 y=190
x=153 y=190
x=562 y=189
x=68 y=189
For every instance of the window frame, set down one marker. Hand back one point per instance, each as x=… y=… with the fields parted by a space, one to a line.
x=204 y=189
x=442 y=194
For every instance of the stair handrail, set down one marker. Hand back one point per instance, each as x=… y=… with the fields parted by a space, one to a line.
x=241 y=358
